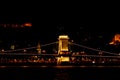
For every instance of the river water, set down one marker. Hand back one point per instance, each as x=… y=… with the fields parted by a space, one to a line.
x=59 y=72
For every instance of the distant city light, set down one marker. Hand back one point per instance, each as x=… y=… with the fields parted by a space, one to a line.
x=115 y=40
x=28 y=24
x=16 y=25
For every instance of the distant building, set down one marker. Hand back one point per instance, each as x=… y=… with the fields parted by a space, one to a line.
x=16 y=25
x=115 y=40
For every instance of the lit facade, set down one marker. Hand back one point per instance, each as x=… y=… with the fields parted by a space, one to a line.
x=63 y=48
x=115 y=40
x=63 y=44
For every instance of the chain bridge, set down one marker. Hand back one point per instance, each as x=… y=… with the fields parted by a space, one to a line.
x=60 y=52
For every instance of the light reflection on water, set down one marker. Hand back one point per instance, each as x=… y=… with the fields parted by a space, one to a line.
x=60 y=72
x=44 y=66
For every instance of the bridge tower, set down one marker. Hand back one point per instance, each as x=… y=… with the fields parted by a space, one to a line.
x=39 y=48
x=63 y=49
x=63 y=44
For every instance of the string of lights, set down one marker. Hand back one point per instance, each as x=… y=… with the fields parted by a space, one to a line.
x=57 y=42
x=16 y=25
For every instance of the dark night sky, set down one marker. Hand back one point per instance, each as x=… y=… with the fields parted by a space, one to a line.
x=84 y=25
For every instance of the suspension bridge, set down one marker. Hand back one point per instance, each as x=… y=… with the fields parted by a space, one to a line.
x=63 y=54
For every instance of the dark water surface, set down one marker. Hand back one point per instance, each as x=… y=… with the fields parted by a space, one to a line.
x=59 y=73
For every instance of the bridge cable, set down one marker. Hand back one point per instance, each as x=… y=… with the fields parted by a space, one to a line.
x=94 y=49
x=29 y=47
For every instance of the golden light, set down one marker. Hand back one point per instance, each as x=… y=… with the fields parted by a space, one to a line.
x=115 y=40
x=12 y=25
x=117 y=37
x=28 y=24
x=111 y=43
